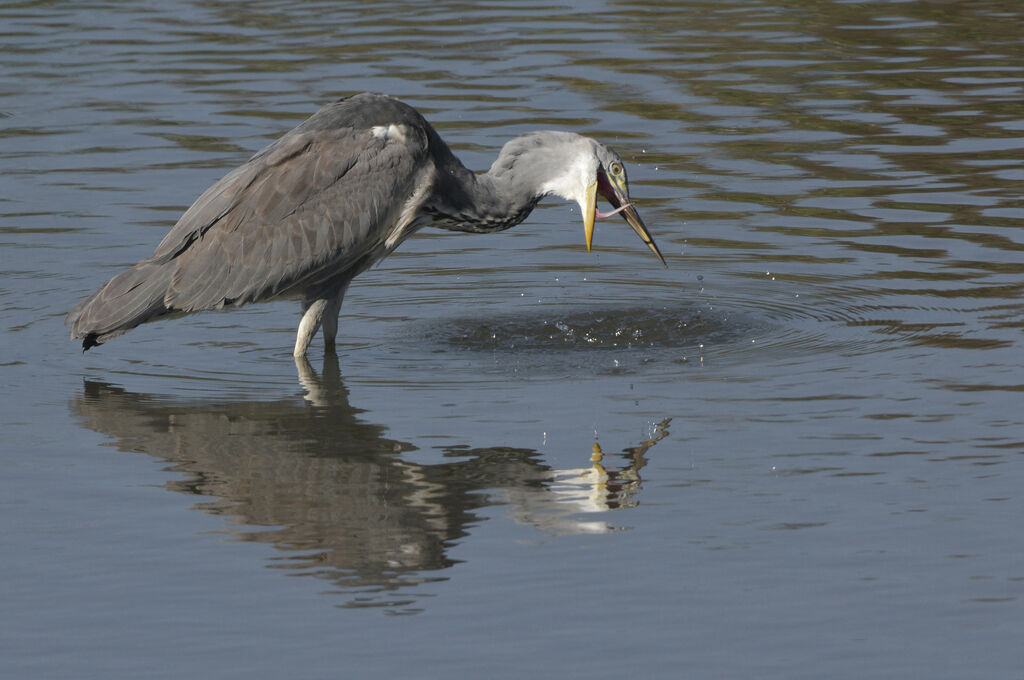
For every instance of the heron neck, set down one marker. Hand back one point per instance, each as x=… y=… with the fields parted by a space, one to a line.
x=481 y=203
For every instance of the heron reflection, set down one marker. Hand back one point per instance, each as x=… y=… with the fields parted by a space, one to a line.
x=336 y=497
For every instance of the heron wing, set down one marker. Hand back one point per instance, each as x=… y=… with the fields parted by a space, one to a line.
x=305 y=209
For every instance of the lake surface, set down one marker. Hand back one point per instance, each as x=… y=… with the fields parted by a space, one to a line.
x=794 y=453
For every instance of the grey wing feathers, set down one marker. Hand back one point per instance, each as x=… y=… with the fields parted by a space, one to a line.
x=304 y=209
x=130 y=298
x=319 y=202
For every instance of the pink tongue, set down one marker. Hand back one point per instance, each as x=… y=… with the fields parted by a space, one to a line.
x=603 y=215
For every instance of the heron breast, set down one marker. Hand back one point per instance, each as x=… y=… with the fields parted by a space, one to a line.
x=410 y=219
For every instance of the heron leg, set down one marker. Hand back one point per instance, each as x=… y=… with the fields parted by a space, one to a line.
x=319 y=312
x=330 y=319
x=313 y=313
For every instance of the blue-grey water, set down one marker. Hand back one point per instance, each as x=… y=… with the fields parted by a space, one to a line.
x=795 y=453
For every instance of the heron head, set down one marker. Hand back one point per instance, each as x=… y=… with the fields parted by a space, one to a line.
x=579 y=169
x=608 y=178
x=576 y=168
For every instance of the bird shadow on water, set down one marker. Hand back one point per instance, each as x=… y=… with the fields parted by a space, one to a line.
x=334 y=495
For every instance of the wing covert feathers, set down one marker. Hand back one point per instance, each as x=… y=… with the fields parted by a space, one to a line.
x=320 y=201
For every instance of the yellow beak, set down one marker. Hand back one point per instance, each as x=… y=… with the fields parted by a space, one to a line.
x=589 y=209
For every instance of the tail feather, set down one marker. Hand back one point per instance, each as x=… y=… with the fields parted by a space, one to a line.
x=127 y=300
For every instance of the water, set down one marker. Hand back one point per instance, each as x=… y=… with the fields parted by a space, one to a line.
x=796 y=453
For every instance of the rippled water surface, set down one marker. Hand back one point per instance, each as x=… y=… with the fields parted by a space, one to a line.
x=794 y=453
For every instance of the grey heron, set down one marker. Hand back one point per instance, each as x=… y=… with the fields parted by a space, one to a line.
x=332 y=197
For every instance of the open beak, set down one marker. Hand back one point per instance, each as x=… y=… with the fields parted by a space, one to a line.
x=619 y=199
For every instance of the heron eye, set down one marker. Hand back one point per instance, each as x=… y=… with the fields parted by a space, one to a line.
x=616 y=170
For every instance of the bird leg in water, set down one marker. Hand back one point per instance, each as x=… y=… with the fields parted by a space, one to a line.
x=330 y=321
x=317 y=313
x=312 y=317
